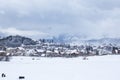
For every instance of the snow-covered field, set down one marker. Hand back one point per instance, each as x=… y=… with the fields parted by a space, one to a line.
x=95 y=68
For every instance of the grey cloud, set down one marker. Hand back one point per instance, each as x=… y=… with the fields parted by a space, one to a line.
x=89 y=17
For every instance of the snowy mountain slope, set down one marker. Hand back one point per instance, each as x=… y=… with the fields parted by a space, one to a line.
x=79 y=39
x=69 y=38
x=105 y=41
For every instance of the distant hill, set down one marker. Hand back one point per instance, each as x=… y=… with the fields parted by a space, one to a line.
x=79 y=39
x=104 y=41
x=16 y=41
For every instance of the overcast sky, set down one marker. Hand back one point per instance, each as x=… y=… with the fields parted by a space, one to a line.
x=93 y=18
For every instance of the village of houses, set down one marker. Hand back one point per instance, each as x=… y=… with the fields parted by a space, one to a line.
x=51 y=49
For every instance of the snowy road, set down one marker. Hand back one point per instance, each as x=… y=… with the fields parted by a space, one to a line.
x=95 y=68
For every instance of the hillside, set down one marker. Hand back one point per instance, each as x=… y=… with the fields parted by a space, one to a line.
x=16 y=41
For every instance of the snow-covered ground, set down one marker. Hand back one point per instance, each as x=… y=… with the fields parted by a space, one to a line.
x=95 y=68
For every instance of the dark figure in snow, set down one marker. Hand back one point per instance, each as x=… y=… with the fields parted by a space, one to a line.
x=21 y=77
x=3 y=75
x=115 y=50
x=85 y=58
